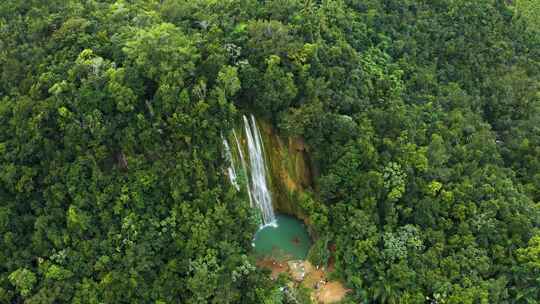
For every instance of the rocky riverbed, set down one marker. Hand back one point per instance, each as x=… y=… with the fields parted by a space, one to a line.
x=304 y=274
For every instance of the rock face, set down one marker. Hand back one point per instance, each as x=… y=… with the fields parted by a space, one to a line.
x=290 y=168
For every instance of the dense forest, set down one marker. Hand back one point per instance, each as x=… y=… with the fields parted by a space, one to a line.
x=422 y=118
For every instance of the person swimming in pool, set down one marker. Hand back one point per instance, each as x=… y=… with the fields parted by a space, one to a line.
x=296 y=240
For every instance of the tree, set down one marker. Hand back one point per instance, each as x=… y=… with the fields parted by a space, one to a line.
x=24 y=280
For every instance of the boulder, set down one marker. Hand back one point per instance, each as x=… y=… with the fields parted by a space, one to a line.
x=308 y=267
x=299 y=269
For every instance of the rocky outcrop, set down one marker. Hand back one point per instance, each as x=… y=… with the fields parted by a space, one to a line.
x=298 y=269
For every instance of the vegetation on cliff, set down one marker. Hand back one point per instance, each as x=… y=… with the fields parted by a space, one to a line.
x=421 y=118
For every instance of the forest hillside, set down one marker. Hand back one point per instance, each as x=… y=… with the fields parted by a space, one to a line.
x=420 y=119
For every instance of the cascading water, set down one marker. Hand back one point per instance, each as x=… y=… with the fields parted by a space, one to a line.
x=259 y=186
x=231 y=171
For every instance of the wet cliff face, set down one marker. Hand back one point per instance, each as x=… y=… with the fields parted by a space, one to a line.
x=289 y=168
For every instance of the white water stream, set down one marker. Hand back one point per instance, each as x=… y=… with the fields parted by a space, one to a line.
x=256 y=173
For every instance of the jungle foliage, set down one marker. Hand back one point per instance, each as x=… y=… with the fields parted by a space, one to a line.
x=422 y=117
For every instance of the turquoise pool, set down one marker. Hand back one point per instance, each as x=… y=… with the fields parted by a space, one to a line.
x=287 y=239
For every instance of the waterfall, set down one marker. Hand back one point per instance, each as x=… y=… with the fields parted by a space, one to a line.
x=231 y=171
x=256 y=183
x=261 y=196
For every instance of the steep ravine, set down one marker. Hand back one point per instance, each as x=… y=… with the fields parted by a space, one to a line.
x=289 y=176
